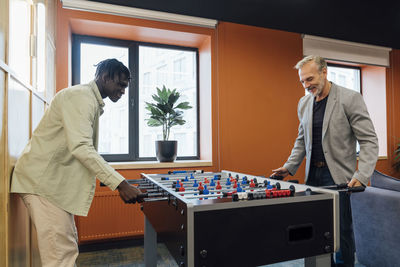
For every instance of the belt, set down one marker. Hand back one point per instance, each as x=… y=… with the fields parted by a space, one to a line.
x=319 y=164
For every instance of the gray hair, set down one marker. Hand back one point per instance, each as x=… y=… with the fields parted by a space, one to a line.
x=320 y=61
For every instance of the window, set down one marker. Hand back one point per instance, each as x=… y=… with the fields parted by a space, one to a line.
x=20 y=43
x=27 y=53
x=41 y=47
x=161 y=61
x=345 y=76
x=124 y=134
x=111 y=132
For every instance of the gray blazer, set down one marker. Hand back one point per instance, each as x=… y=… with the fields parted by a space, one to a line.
x=346 y=121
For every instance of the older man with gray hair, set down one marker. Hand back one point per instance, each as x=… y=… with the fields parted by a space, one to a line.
x=332 y=118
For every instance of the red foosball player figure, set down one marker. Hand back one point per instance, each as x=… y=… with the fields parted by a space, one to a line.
x=201 y=187
x=252 y=185
x=218 y=187
x=235 y=185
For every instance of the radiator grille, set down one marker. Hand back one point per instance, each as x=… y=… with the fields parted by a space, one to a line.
x=109 y=217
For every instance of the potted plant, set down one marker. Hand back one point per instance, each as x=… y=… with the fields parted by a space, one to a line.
x=166 y=112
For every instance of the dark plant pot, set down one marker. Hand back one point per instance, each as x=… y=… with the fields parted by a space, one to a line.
x=166 y=150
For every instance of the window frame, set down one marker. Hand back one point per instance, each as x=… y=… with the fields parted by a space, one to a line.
x=133 y=88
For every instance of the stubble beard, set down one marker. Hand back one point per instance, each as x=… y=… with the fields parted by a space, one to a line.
x=319 y=87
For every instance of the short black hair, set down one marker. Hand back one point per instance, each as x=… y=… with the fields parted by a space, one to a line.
x=111 y=67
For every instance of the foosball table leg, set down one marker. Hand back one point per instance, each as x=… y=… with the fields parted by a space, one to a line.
x=323 y=260
x=150 y=244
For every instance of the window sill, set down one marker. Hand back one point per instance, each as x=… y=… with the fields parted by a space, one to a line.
x=160 y=165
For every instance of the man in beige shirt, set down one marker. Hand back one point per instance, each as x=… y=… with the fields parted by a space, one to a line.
x=56 y=173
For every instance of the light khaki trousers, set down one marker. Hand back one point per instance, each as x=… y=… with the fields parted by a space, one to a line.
x=56 y=232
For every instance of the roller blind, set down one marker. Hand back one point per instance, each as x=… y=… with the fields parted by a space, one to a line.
x=346 y=51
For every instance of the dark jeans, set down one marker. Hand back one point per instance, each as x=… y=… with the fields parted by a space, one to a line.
x=345 y=256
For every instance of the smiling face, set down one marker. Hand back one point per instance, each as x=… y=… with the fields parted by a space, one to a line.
x=114 y=88
x=314 y=80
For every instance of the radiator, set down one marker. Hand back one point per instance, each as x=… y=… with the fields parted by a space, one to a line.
x=110 y=218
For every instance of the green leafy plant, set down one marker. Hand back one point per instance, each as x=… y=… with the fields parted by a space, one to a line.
x=165 y=111
x=396 y=164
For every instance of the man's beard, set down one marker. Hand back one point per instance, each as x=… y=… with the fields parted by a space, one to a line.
x=319 y=88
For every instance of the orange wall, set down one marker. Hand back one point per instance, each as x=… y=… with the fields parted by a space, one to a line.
x=258 y=94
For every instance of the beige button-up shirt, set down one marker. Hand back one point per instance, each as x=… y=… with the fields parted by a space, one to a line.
x=60 y=162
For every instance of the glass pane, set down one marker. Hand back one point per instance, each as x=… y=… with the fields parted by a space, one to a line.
x=113 y=133
x=3 y=30
x=174 y=69
x=37 y=111
x=20 y=30
x=18 y=118
x=41 y=47
x=50 y=69
x=2 y=100
x=346 y=77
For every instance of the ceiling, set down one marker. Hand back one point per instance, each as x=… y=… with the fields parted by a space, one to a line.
x=363 y=21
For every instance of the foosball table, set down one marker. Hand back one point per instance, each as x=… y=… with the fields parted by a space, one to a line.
x=234 y=219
